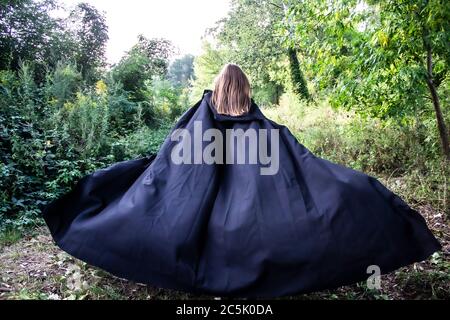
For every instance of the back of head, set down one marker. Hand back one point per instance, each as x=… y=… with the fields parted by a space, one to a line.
x=231 y=93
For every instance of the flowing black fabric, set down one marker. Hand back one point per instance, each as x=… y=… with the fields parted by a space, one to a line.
x=225 y=229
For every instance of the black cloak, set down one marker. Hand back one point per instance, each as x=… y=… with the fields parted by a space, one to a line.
x=227 y=229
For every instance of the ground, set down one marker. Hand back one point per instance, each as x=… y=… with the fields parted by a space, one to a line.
x=32 y=267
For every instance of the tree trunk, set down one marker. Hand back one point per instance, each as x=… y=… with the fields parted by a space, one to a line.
x=278 y=92
x=443 y=132
x=298 y=80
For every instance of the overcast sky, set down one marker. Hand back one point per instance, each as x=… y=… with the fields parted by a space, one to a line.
x=181 y=21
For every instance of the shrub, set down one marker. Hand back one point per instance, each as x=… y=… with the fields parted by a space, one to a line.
x=63 y=84
x=83 y=124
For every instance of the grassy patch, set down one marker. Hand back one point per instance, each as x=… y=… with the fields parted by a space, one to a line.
x=9 y=237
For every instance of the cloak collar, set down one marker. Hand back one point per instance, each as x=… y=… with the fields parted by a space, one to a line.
x=253 y=114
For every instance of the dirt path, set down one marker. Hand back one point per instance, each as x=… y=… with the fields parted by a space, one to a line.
x=34 y=268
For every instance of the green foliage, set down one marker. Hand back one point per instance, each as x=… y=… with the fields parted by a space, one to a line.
x=63 y=84
x=206 y=68
x=248 y=33
x=88 y=28
x=147 y=59
x=181 y=71
x=9 y=236
x=145 y=140
x=54 y=133
x=371 y=57
x=22 y=145
x=45 y=148
x=267 y=95
x=298 y=80
x=29 y=31
x=123 y=113
x=83 y=124
x=248 y=36
x=163 y=100
x=26 y=31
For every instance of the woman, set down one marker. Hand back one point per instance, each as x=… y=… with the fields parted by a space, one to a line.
x=205 y=216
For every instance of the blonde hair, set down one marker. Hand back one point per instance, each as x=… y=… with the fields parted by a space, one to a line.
x=231 y=93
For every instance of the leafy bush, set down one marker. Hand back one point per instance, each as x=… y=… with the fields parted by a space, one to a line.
x=163 y=101
x=52 y=135
x=22 y=146
x=123 y=113
x=140 y=142
x=63 y=84
x=83 y=124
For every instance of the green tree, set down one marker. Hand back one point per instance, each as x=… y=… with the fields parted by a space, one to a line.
x=383 y=57
x=89 y=29
x=181 y=71
x=29 y=33
x=147 y=59
x=251 y=33
x=206 y=67
x=298 y=80
x=63 y=83
x=418 y=32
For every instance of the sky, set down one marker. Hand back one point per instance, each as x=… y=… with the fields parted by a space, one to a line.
x=182 y=22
